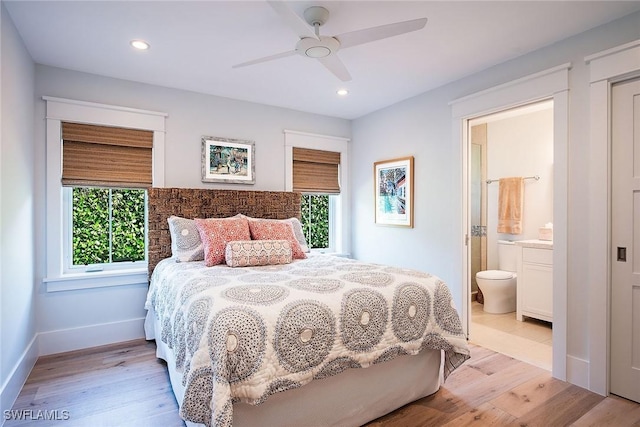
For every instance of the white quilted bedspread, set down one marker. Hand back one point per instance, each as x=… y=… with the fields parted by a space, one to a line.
x=243 y=334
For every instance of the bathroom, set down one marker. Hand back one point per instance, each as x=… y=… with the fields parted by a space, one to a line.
x=513 y=143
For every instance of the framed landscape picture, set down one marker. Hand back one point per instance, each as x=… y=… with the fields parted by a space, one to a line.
x=393 y=186
x=228 y=160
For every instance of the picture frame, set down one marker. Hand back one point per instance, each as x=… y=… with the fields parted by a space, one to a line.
x=227 y=160
x=393 y=187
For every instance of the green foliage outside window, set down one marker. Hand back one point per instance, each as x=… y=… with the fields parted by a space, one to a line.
x=108 y=225
x=315 y=220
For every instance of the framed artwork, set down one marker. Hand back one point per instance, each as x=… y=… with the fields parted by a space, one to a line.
x=228 y=160
x=393 y=186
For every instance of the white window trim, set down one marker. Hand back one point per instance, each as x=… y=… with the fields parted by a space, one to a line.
x=57 y=111
x=339 y=235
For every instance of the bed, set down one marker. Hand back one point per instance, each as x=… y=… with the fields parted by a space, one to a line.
x=286 y=338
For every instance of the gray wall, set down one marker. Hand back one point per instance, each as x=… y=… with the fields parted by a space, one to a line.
x=192 y=115
x=422 y=127
x=65 y=315
x=30 y=314
x=17 y=204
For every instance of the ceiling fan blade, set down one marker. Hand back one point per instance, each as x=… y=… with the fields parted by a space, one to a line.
x=295 y=22
x=266 y=58
x=336 y=66
x=355 y=38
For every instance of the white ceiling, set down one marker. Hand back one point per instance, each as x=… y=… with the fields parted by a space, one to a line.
x=195 y=44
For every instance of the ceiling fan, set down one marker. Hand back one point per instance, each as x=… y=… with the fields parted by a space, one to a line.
x=325 y=48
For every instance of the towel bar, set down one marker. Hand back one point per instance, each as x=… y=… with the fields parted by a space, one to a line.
x=536 y=177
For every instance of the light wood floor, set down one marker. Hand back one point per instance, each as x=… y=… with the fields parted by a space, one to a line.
x=124 y=385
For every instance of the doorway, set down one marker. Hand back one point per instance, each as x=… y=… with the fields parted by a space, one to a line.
x=552 y=83
x=514 y=142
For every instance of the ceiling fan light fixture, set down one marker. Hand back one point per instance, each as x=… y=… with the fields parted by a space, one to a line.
x=324 y=48
x=140 y=44
x=318 y=52
x=317 y=49
x=342 y=92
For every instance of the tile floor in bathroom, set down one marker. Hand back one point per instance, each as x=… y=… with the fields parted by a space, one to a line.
x=528 y=341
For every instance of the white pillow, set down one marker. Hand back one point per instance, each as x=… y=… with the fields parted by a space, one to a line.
x=186 y=244
x=297 y=231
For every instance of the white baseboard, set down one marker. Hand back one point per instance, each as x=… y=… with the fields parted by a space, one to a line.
x=62 y=340
x=578 y=371
x=51 y=342
x=19 y=374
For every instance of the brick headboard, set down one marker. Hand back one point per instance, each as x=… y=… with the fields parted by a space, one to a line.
x=203 y=203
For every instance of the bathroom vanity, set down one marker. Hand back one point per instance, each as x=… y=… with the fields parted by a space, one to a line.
x=535 y=280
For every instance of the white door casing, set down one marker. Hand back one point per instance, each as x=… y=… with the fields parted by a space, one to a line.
x=625 y=239
x=553 y=84
x=612 y=65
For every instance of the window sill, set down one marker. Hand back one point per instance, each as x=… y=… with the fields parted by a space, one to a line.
x=98 y=279
x=328 y=252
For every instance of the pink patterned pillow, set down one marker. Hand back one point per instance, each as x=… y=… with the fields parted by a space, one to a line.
x=244 y=253
x=269 y=229
x=215 y=233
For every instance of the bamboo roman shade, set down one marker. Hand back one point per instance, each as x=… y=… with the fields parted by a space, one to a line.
x=106 y=156
x=316 y=171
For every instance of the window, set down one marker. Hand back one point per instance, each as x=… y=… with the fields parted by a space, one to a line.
x=100 y=160
x=315 y=220
x=316 y=166
x=316 y=173
x=107 y=225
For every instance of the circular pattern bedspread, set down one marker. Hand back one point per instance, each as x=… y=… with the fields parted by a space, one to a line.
x=242 y=334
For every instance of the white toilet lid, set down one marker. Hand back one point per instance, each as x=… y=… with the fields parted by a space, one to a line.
x=495 y=275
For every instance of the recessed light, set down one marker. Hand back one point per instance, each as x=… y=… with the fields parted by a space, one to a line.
x=140 y=44
x=342 y=92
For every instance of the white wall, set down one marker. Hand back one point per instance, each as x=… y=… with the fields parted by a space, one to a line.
x=192 y=115
x=17 y=238
x=421 y=126
x=83 y=318
x=520 y=146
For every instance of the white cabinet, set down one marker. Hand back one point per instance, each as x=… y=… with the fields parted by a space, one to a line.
x=535 y=282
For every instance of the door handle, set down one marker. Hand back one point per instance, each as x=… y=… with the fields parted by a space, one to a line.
x=622 y=254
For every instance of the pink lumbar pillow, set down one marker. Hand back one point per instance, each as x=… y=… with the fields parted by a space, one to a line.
x=245 y=253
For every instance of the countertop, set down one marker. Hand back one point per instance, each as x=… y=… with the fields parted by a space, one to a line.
x=535 y=243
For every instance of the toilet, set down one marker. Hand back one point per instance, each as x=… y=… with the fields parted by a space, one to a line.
x=499 y=286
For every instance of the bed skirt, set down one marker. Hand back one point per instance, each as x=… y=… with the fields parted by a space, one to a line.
x=351 y=398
